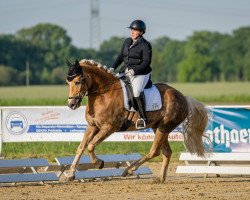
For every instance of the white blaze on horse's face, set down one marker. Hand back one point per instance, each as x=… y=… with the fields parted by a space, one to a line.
x=75 y=93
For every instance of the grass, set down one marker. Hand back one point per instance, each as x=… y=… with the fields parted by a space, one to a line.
x=216 y=93
x=209 y=93
x=50 y=150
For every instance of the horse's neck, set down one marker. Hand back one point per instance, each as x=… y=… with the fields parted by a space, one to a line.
x=101 y=84
x=104 y=90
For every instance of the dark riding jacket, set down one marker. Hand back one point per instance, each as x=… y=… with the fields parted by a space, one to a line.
x=135 y=56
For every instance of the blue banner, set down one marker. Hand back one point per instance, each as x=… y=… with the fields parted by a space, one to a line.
x=229 y=129
x=57 y=128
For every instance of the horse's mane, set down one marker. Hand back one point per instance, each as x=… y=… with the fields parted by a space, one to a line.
x=91 y=66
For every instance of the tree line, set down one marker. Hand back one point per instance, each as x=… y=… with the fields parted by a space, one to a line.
x=203 y=56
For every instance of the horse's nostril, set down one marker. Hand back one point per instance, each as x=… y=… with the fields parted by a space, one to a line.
x=71 y=105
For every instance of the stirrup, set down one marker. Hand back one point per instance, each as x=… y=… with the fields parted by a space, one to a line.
x=141 y=122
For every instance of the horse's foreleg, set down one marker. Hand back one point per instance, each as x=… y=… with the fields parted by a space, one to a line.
x=154 y=151
x=89 y=134
x=102 y=135
x=166 y=155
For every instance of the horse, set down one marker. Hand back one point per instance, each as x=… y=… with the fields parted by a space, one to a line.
x=105 y=114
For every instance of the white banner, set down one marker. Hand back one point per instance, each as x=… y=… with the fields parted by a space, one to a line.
x=26 y=124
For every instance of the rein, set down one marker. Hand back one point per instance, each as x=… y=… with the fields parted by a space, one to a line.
x=80 y=96
x=105 y=90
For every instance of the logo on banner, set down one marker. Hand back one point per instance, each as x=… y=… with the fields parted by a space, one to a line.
x=16 y=123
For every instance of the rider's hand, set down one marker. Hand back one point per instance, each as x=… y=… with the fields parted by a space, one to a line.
x=130 y=73
x=111 y=69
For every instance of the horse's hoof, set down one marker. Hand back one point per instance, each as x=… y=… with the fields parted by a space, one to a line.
x=130 y=172
x=125 y=173
x=101 y=165
x=158 y=180
x=69 y=177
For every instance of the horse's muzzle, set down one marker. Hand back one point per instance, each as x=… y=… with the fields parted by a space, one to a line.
x=74 y=103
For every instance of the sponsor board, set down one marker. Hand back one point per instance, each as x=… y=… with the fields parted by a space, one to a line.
x=229 y=129
x=24 y=124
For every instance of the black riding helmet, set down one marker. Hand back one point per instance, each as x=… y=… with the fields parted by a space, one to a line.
x=138 y=25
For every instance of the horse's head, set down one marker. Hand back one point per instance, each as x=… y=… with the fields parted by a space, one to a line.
x=79 y=83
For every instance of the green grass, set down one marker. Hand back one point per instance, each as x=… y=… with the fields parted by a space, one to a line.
x=50 y=150
x=34 y=92
x=216 y=93
x=209 y=93
x=215 y=89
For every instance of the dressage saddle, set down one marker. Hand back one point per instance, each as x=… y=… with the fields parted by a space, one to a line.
x=129 y=90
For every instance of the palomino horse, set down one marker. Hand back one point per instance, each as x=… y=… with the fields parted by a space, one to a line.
x=105 y=114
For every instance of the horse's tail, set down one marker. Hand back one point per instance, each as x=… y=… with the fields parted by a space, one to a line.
x=194 y=127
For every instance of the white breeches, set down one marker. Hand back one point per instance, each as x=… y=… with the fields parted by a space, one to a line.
x=138 y=83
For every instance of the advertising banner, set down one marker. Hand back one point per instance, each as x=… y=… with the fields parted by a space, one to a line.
x=25 y=124
x=229 y=129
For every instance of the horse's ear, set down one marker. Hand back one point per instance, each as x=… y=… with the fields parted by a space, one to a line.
x=68 y=63
x=76 y=63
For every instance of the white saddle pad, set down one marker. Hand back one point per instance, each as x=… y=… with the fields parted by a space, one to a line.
x=152 y=95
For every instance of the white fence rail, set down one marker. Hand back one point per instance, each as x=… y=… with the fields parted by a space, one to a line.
x=217 y=163
x=57 y=123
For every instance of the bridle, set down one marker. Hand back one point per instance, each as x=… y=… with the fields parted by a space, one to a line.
x=87 y=87
x=84 y=84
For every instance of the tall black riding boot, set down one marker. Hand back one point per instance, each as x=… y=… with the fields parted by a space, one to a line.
x=141 y=122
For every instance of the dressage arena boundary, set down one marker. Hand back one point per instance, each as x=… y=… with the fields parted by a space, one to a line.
x=216 y=164
x=39 y=170
x=26 y=124
x=58 y=124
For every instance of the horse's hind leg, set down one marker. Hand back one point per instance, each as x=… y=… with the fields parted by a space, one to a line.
x=166 y=155
x=89 y=134
x=154 y=151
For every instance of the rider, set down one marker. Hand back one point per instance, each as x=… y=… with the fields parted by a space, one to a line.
x=136 y=55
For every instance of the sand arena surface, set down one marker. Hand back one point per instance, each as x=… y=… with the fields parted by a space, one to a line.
x=176 y=187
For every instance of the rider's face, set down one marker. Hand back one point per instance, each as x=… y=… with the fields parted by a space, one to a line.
x=135 y=34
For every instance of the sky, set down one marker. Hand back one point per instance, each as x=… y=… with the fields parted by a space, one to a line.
x=176 y=19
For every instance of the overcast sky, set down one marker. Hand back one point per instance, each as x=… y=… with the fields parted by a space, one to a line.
x=176 y=19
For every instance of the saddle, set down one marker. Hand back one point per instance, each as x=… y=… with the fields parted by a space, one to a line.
x=150 y=93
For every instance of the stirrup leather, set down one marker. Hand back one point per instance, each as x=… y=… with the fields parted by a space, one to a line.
x=140 y=123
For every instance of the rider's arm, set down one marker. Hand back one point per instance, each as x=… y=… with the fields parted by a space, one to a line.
x=146 y=59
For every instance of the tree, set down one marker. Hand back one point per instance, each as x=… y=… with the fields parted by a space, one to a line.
x=58 y=75
x=52 y=40
x=109 y=50
x=241 y=51
x=160 y=43
x=165 y=60
x=228 y=69
x=9 y=76
x=201 y=59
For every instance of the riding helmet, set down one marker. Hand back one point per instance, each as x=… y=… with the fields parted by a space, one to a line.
x=138 y=25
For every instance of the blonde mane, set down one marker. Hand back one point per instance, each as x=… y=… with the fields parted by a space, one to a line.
x=92 y=66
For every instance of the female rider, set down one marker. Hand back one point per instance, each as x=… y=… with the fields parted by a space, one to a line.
x=136 y=56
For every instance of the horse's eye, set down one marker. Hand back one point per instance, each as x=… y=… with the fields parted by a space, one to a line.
x=77 y=82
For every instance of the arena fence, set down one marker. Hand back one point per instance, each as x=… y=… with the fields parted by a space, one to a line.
x=58 y=124
x=228 y=129
x=39 y=170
